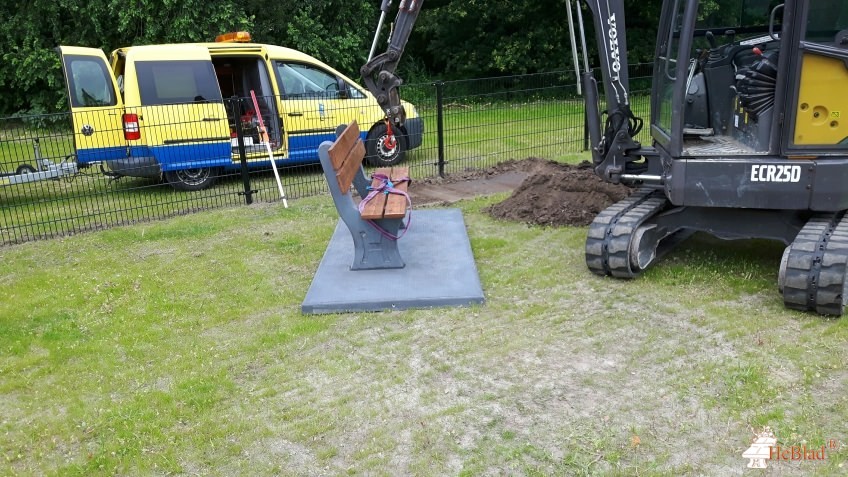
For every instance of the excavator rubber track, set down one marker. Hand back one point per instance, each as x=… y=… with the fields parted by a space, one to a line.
x=608 y=250
x=813 y=270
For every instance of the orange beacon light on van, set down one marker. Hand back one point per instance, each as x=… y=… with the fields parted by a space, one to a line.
x=233 y=37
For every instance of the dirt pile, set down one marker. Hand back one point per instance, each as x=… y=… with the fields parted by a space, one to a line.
x=557 y=194
x=543 y=192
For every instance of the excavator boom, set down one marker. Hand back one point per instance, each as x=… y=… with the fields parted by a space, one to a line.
x=612 y=45
x=378 y=73
x=613 y=148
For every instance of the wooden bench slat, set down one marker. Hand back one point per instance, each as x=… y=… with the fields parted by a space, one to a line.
x=351 y=166
x=387 y=206
x=343 y=144
x=373 y=210
x=396 y=203
x=347 y=153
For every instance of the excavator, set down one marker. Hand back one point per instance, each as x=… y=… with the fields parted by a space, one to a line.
x=746 y=131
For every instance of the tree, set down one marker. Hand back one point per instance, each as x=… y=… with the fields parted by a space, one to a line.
x=337 y=32
x=452 y=39
x=480 y=38
x=33 y=30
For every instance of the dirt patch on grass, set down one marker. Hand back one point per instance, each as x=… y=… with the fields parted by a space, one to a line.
x=559 y=194
x=543 y=192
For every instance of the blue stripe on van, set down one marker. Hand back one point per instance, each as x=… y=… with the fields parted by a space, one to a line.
x=96 y=154
x=304 y=148
x=189 y=156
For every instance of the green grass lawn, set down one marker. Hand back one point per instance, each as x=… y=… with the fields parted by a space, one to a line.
x=177 y=347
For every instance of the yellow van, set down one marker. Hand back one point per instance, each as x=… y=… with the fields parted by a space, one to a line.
x=176 y=111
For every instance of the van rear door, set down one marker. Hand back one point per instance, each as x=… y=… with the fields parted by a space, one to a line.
x=96 y=106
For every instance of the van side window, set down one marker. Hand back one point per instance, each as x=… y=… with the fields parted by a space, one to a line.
x=90 y=82
x=171 y=82
x=298 y=80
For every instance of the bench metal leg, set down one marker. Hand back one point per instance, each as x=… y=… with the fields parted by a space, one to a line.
x=372 y=250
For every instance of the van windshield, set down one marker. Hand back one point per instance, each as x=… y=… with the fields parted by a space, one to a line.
x=171 y=82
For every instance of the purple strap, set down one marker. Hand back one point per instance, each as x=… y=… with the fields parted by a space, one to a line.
x=387 y=187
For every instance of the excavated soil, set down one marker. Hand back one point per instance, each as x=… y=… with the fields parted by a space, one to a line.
x=544 y=192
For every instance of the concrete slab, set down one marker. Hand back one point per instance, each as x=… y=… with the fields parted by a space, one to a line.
x=440 y=270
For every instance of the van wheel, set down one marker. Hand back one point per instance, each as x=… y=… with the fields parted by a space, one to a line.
x=382 y=149
x=192 y=179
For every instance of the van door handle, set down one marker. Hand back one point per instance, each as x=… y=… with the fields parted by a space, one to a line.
x=213 y=119
x=295 y=114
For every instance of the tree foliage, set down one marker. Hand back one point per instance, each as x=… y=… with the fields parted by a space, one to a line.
x=453 y=38
x=337 y=32
x=482 y=38
x=30 y=65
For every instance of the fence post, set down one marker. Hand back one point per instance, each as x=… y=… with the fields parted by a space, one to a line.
x=440 y=125
x=245 y=177
x=585 y=128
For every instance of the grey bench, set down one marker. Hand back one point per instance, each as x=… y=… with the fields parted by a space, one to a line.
x=341 y=160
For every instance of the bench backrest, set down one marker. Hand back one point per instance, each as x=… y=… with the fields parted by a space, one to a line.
x=347 y=154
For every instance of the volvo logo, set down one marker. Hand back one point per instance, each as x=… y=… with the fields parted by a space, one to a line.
x=613 y=44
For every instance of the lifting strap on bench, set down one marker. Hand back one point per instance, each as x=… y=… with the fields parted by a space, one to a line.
x=387 y=187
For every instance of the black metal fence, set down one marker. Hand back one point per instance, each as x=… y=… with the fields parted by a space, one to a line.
x=61 y=175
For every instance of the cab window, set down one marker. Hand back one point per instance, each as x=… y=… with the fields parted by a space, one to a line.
x=825 y=20
x=90 y=82
x=298 y=80
x=726 y=14
x=170 y=82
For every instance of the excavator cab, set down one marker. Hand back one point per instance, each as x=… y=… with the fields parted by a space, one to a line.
x=732 y=78
x=727 y=61
x=755 y=78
